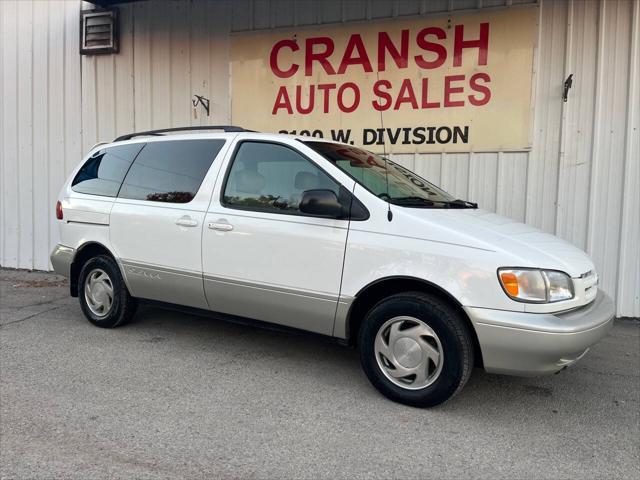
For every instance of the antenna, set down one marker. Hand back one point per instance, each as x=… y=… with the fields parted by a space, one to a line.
x=386 y=167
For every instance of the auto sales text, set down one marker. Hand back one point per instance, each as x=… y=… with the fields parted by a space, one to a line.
x=316 y=55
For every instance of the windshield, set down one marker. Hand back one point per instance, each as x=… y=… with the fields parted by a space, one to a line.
x=372 y=172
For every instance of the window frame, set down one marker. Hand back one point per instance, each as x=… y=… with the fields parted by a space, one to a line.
x=232 y=161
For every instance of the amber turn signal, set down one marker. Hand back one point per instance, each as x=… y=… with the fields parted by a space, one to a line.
x=510 y=283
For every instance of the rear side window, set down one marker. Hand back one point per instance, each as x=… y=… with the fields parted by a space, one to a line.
x=170 y=171
x=102 y=174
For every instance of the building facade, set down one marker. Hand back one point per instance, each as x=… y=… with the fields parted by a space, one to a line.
x=571 y=167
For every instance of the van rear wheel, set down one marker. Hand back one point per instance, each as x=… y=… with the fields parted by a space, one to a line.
x=415 y=349
x=104 y=298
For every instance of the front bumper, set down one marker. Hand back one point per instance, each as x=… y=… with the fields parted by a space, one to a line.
x=61 y=259
x=528 y=344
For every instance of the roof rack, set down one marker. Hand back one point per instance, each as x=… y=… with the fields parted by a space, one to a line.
x=226 y=128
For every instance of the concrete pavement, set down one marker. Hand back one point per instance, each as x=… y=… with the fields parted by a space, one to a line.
x=174 y=395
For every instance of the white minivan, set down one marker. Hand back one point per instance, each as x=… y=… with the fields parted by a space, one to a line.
x=328 y=238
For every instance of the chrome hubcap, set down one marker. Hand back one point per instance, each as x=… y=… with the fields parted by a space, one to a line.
x=98 y=292
x=408 y=352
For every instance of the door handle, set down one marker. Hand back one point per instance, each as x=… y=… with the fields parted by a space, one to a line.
x=221 y=227
x=186 y=221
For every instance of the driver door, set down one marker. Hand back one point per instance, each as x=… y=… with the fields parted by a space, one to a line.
x=263 y=258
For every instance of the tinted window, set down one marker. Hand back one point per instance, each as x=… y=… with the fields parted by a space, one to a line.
x=269 y=177
x=170 y=171
x=102 y=174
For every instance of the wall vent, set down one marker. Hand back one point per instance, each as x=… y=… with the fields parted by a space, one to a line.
x=98 y=31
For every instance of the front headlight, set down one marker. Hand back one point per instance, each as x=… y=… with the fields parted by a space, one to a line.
x=536 y=286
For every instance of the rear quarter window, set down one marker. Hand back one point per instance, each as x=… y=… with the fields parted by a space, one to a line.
x=170 y=171
x=103 y=172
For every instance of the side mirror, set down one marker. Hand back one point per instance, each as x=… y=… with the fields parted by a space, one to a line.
x=323 y=203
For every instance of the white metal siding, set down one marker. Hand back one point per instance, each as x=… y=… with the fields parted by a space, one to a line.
x=40 y=130
x=581 y=180
x=251 y=15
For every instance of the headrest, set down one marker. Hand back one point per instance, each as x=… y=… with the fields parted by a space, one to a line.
x=249 y=181
x=306 y=181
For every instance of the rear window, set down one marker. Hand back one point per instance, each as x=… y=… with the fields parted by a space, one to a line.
x=103 y=172
x=170 y=171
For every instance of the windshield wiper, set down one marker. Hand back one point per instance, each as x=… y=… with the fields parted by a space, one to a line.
x=416 y=201
x=458 y=203
x=412 y=201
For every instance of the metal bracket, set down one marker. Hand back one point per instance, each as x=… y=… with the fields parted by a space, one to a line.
x=202 y=101
x=567 y=86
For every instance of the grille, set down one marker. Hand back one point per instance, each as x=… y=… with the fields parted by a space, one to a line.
x=590 y=284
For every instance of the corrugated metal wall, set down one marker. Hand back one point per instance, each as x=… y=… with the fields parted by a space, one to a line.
x=40 y=123
x=581 y=180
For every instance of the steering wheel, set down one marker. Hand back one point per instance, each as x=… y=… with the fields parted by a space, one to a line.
x=384 y=196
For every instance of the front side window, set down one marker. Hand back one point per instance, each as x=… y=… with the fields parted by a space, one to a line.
x=170 y=171
x=272 y=178
x=103 y=172
x=386 y=179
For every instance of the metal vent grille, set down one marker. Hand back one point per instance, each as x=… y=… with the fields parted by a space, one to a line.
x=98 y=32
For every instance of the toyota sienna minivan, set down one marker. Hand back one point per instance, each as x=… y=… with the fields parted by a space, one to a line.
x=329 y=238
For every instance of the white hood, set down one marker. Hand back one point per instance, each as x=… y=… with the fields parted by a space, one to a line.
x=523 y=245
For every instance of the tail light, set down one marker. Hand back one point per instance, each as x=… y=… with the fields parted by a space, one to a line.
x=59 y=215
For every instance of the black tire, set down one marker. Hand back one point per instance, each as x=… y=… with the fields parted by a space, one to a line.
x=123 y=305
x=454 y=336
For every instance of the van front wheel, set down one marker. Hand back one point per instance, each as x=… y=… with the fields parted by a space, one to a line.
x=415 y=349
x=103 y=295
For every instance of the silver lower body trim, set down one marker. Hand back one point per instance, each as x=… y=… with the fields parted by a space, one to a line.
x=164 y=284
x=61 y=259
x=311 y=311
x=340 y=327
x=530 y=344
x=301 y=309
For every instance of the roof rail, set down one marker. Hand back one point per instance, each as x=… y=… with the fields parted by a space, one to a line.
x=226 y=128
x=97 y=145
